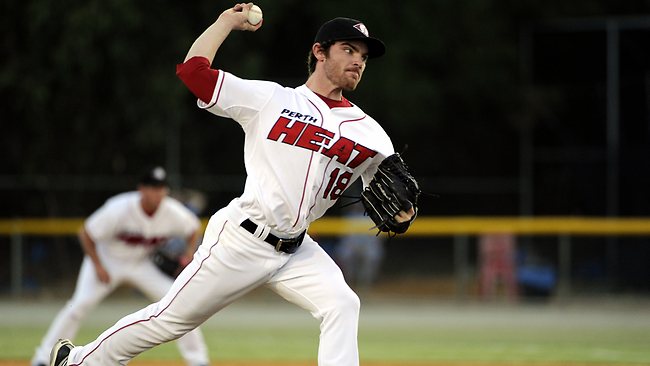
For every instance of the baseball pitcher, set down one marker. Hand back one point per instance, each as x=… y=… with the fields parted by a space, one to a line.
x=302 y=148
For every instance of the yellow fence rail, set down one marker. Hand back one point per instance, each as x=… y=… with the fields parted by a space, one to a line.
x=459 y=228
x=423 y=226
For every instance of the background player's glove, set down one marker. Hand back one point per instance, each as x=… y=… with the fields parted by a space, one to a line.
x=392 y=189
x=169 y=265
x=168 y=257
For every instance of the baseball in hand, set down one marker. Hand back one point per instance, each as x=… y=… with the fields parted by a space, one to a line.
x=255 y=15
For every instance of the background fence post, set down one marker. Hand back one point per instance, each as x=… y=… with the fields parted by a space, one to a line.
x=461 y=266
x=564 y=266
x=16 y=264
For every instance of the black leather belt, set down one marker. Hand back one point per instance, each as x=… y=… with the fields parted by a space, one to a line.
x=288 y=246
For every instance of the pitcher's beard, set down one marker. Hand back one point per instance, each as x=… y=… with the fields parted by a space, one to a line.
x=348 y=84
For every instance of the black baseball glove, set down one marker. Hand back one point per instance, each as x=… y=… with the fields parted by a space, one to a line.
x=392 y=189
x=167 y=263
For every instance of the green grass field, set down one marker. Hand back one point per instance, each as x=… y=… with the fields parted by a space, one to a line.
x=585 y=332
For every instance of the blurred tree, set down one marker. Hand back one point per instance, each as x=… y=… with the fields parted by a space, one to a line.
x=88 y=87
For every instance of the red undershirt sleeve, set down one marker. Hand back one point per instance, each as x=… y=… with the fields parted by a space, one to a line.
x=198 y=77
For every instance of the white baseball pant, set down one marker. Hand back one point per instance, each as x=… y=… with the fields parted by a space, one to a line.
x=229 y=263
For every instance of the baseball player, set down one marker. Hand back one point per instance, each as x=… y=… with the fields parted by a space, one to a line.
x=117 y=240
x=359 y=255
x=302 y=149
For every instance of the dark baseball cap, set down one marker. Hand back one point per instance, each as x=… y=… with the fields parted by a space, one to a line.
x=341 y=29
x=155 y=176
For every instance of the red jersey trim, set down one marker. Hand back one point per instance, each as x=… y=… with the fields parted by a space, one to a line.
x=304 y=187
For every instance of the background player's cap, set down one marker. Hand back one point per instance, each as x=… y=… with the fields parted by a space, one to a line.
x=156 y=176
x=340 y=29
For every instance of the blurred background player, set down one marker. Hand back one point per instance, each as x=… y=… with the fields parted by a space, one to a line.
x=359 y=255
x=118 y=240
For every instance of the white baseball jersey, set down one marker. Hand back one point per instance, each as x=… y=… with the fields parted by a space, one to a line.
x=300 y=154
x=121 y=228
